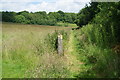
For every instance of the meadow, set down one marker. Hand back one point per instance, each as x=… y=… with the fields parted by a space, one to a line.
x=91 y=50
x=27 y=53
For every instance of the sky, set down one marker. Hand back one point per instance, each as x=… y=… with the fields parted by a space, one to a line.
x=43 y=5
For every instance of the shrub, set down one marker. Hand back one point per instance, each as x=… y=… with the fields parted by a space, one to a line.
x=99 y=59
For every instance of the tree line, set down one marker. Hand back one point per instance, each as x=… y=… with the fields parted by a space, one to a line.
x=40 y=18
x=103 y=15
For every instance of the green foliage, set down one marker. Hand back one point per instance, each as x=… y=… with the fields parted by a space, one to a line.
x=51 y=40
x=8 y=16
x=110 y=20
x=41 y=17
x=95 y=41
x=99 y=60
x=15 y=62
x=20 y=19
x=66 y=24
x=87 y=14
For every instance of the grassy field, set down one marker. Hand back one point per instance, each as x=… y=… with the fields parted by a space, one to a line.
x=23 y=48
x=66 y=24
x=29 y=51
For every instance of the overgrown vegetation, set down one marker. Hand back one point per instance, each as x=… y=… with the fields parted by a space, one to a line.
x=51 y=65
x=28 y=57
x=99 y=61
x=97 y=41
x=93 y=51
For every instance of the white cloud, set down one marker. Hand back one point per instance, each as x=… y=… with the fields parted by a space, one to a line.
x=82 y=0
x=21 y=0
x=64 y=5
x=45 y=0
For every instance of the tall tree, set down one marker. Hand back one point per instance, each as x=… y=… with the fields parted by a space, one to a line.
x=87 y=14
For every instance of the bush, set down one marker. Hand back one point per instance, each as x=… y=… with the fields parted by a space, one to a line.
x=99 y=59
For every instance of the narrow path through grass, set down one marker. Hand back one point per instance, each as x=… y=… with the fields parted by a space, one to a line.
x=72 y=57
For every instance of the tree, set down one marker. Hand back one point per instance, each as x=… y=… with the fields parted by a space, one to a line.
x=41 y=17
x=109 y=19
x=22 y=12
x=68 y=18
x=20 y=19
x=8 y=16
x=87 y=14
x=61 y=15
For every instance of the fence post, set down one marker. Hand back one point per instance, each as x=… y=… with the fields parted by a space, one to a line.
x=60 y=44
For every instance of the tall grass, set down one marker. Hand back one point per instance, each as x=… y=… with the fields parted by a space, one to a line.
x=26 y=50
x=31 y=52
x=52 y=40
x=51 y=65
x=93 y=44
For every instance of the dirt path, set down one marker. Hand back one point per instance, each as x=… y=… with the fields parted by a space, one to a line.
x=72 y=59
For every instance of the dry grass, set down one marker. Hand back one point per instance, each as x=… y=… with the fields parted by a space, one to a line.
x=20 y=54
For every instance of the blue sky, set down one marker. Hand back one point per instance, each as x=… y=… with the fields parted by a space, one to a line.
x=43 y=5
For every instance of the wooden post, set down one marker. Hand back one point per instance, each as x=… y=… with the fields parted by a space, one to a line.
x=60 y=44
